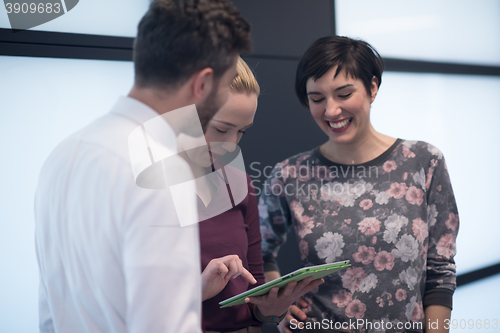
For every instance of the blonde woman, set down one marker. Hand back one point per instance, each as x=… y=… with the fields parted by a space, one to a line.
x=231 y=242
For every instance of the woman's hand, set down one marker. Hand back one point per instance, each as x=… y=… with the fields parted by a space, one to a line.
x=218 y=273
x=294 y=312
x=277 y=302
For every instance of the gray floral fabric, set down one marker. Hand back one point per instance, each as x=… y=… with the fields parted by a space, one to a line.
x=395 y=219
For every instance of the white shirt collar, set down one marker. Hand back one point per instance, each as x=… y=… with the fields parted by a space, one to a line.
x=140 y=113
x=133 y=109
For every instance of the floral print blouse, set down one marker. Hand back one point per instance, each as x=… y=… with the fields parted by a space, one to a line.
x=395 y=219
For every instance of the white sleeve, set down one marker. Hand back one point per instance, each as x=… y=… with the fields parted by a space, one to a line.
x=45 y=322
x=161 y=263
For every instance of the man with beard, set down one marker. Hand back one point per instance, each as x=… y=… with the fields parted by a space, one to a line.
x=112 y=255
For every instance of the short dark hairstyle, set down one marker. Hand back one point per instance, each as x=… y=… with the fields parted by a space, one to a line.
x=177 y=38
x=357 y=58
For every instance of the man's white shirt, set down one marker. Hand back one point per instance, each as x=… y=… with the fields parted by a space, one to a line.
x=112 y=255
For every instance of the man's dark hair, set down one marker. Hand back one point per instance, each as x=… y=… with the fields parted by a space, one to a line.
x=177 y=38
x=356 y=58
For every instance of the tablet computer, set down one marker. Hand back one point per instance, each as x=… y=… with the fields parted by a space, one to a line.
x=316 y=272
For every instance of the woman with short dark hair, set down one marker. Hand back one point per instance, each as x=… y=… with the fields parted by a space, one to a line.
x=383 y=203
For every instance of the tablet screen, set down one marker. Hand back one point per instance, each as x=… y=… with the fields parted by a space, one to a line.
x=316 y=272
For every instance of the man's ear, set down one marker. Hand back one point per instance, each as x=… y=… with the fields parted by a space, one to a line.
x=373 y=88
x=203 y=82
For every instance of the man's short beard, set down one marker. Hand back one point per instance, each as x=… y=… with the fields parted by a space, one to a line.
x=210 y=106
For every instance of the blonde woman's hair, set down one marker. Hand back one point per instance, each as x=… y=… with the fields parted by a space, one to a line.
x=245 y=82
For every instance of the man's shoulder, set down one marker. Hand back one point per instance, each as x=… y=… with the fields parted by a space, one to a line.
x=99 y=149
x=107 y=135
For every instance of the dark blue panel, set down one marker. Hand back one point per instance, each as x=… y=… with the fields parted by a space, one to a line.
x=286 y=27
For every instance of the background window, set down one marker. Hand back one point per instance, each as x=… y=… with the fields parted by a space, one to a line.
x=43 y=101
x=96 y=17
x=447 y=30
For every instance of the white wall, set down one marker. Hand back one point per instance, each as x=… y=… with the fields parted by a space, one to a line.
x=42 y=101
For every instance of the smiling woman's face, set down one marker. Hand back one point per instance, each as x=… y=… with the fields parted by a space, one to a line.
x=341 y=106
x=225 y=129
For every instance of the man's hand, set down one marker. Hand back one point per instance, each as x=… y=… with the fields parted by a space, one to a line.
x=218 y=273
x=277 y=302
